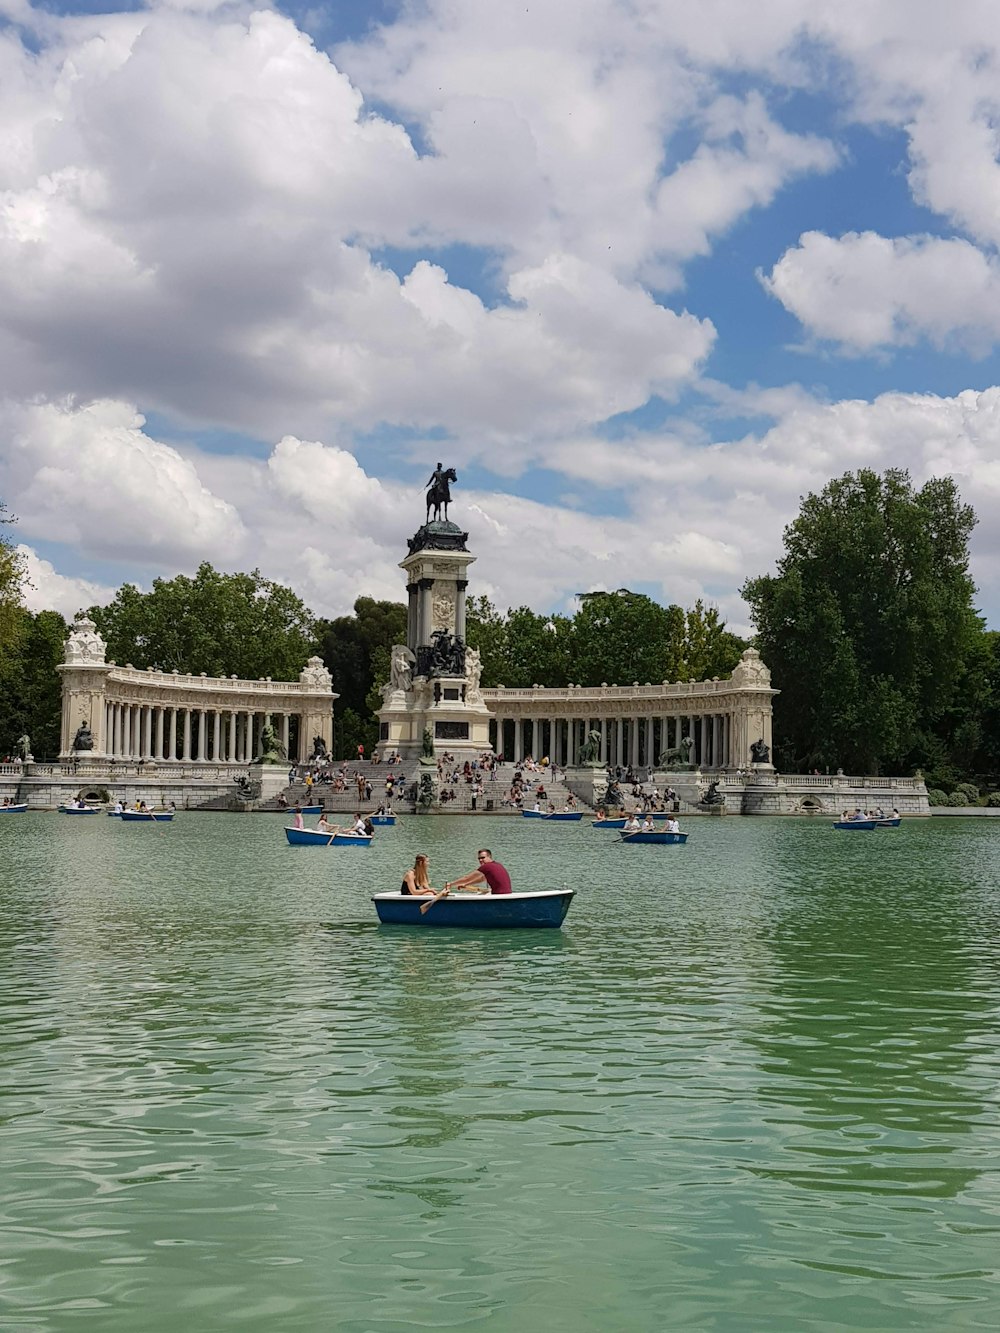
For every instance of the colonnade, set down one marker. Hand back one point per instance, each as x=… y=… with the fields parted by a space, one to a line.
x=635 y=741
x=191 y=735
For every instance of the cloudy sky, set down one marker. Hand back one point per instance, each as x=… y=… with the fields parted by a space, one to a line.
x=644 y=272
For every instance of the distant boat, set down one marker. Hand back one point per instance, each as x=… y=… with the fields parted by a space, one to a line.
x=13 y=809
x=307 y=837
x=477 y=911
x=79 y=809
x=147 y=816
x=607 y=823
x=311 y=809
x=383 y=821
x=890 y=823
x=114 y=814
x=856 y=825
x=566 y=816
x=659 y=835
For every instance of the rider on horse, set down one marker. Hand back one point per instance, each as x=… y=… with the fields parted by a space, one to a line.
x=439 y=492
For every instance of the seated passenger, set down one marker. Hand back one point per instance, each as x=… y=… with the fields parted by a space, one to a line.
x=415 y=882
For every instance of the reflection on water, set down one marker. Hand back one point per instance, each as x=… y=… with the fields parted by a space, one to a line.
x=751 y=1084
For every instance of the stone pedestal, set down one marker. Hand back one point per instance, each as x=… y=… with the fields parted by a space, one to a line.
x=434 y=683
x=273 y=778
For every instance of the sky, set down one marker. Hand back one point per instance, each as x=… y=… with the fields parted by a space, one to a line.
x=644 y=273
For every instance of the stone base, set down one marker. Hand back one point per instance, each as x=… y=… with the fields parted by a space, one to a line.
x=273 y=778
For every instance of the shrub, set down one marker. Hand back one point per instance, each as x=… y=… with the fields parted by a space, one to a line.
x=935 y=796
x=993 y=800
x=958 y=798
x=970 y=791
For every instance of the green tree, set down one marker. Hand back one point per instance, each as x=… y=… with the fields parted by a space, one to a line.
x=621 y=637
x=868 y=625
x=223 y=624
x=709 y=648
x=357 y=652
x=12 y=580
x=30 y=698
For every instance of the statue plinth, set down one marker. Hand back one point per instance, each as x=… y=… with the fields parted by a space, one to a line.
x=438 y=536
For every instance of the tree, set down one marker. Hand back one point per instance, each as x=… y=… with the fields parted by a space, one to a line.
x=868 y=625
x=222 y=624
x=12 y=580
x=30 y=686
x=709 y=648
x=621 y=637
x=357 y=651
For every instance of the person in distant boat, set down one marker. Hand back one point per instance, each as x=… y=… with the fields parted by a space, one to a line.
x=672 y=825
x=601 y=816
x=647 y=825
x=297 y=815
x=632 y=824
x=416 y=882
x=324 y=825
x=895 y=813
x=118 y=807
x=490 y=872
x=358 y=827
x=551 y=808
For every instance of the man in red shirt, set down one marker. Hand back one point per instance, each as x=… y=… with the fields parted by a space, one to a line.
x=490 y=872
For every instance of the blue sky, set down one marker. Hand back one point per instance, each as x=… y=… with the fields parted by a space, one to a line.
x=645 y=274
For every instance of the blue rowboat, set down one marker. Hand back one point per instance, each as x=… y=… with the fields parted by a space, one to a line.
x=311 y=809
x=147 y=816
x=383 y=821
x=80 y=810
x=564 y=816
x=889 y=823
x=607 y=823
x=307 y=837
x=13 y=809
x=114 y=814
x=657 y=835
x=856 y=825
x=477 y=911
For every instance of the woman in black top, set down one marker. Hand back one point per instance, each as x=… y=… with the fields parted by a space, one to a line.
x=415 y=882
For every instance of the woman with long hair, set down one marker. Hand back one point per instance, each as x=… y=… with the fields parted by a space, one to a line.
x=416 y=882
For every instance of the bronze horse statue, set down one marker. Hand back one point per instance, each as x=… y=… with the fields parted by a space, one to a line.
x=439 y=492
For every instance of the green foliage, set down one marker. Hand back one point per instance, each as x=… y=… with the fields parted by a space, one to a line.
x=356 y=652
x=993 y=800
x=30 y=700
x=957 y=798
x=222 y=624
x=970 y=791
x=935 y=796
x=868 y=626
x=12 y=579
x=614 y=637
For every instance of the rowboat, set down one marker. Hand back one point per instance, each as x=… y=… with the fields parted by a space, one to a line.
x=311 y=809
x=79 y=809
x=659 y=835
x=13 y=809
x=383 y=821
x=565 y=816
x=890 y=823
x=607 y=823
x=308 y=837
x=478 y=911
x=147 y=816
x=856 y=825
x=114 y=814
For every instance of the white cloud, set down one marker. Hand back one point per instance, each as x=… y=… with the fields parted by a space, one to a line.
x=48 y=590
x=867 y=291
x=90 y=476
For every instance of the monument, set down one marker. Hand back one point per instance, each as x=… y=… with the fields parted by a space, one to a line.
x=434 y=677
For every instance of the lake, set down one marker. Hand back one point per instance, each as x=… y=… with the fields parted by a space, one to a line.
x=751 y=1084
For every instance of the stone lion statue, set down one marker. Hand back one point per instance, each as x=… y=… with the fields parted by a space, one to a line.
x=679 y=756
x=590 y=750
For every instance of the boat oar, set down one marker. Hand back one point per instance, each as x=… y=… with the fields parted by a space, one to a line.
x=333 y=835
x=426 y=907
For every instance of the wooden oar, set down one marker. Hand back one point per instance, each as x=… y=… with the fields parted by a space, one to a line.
x=426 y=907
x=333 y=835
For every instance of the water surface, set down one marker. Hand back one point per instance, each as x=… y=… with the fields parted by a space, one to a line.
x=752 y=1084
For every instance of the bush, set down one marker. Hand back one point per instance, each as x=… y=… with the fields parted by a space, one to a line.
x=970 y=791
x=958 y=798
x=993 y=800
x=935 y=796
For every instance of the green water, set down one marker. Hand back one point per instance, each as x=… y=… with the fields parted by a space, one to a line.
x=752 y=1084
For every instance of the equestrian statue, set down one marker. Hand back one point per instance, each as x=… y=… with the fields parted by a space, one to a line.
x=439 y=492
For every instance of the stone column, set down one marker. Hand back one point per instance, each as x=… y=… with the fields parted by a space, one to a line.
x=425 y=617
x=619 y=723
x=159 y=734
x=217 y=736
x=147 y=731
x=186 y=751
x=460 y=587
x=172 y=733
x=554 y=740
x=650 y=758
x=231 y=738
x=574 y=726
x=116 y=723
x=126 y=731
x=284 y=734
x=412 y=616
x=634 y=739
x=604 y=755
x=518 y=754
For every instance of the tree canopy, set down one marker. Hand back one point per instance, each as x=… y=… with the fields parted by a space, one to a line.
x=223 y=624
x=356 y=650
x=12 y=579
x=869 y=627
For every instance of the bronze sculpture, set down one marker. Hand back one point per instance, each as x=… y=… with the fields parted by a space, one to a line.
x=439 y=492
x=83 y=740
